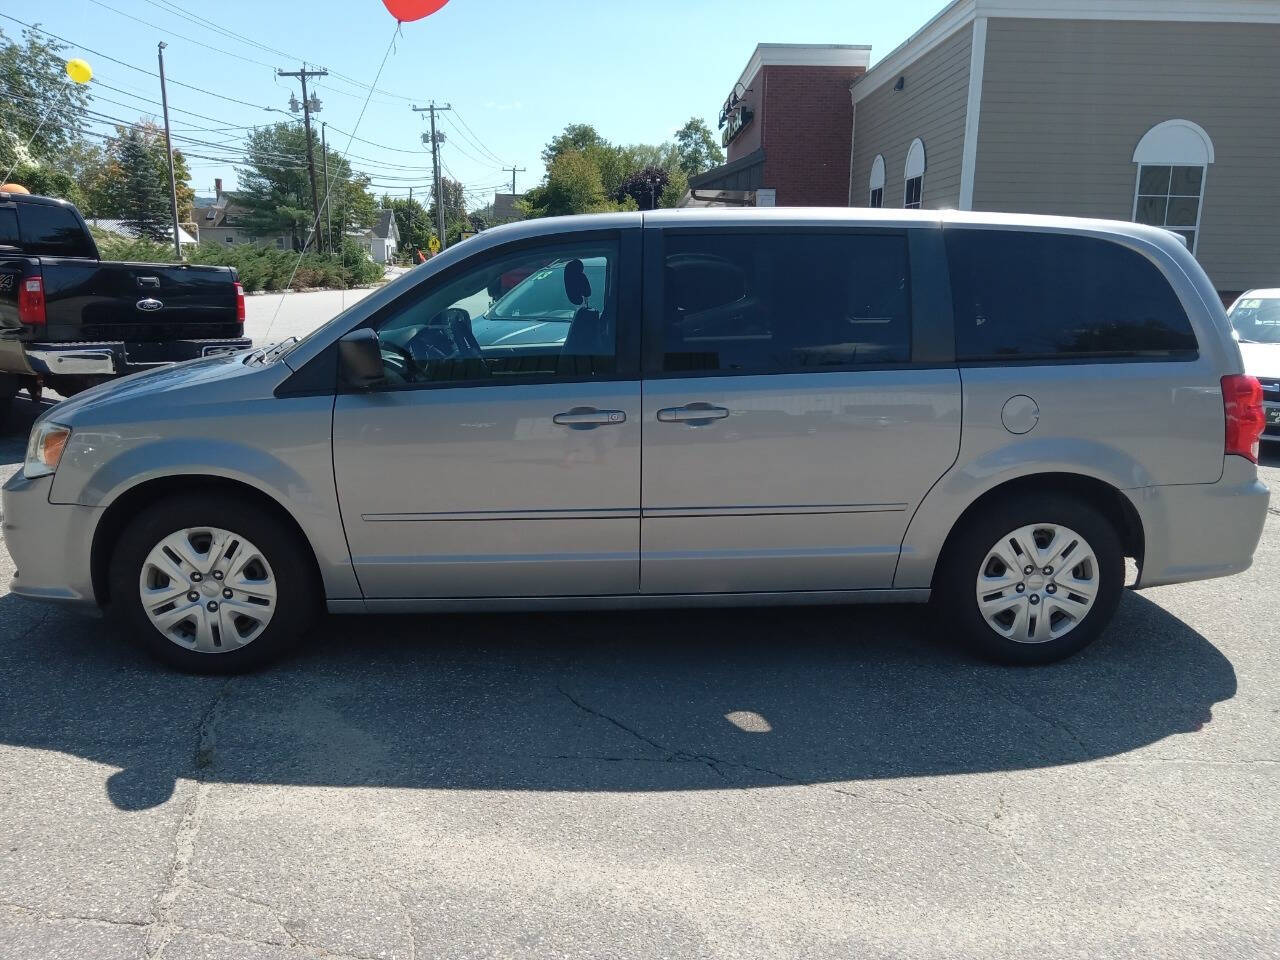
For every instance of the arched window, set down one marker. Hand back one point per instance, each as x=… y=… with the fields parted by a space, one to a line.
x=876 y=195
x=1173 y=161
x=913 y=175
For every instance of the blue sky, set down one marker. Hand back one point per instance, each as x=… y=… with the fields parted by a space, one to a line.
x=516 y=70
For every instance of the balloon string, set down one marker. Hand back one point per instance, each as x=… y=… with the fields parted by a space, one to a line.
x=17 y=156
x=315 y=226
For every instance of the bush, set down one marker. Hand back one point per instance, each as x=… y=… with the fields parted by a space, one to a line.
x=260 y=268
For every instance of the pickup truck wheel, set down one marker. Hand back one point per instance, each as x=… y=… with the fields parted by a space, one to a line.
x=213 y=585
x=1032 y=580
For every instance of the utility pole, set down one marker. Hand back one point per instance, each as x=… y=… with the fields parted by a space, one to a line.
x=168 y=152
x=435 y=166
x=514 y=171
x=324 y=153
x=307 y=107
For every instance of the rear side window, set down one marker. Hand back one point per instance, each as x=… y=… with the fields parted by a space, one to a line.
x=1045 y=296
x=777 y=302
x=9 y=228
x=52 y=231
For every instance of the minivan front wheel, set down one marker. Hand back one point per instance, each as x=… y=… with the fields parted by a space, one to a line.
x=1033 y=580
x=206 y=595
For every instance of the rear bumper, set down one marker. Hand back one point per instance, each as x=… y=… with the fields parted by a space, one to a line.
x=1201 y=531
x=106 y=358
x=50 y=544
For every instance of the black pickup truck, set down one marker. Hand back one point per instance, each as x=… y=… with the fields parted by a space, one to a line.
x=70 y=320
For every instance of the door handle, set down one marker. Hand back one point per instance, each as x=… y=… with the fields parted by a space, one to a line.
x=148 y=281
x=694 y=413
x=584 y=418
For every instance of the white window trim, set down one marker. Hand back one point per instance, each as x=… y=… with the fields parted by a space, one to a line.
x=973 y=113
x=1157 y=148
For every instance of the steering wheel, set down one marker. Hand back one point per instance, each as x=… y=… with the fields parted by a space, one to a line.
x=411 y=366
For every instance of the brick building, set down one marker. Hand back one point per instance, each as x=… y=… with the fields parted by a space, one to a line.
x=786 y=127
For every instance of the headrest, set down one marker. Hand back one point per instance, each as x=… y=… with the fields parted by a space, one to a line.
x=576 y=285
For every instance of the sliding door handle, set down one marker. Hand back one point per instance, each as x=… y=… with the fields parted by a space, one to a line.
x=584 y=418
x=692 y=413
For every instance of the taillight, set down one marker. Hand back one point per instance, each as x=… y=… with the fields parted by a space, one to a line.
x=240 y=304
x=31 y=302
x=1246 y=418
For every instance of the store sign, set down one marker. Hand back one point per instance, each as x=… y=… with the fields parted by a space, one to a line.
x=735 y=116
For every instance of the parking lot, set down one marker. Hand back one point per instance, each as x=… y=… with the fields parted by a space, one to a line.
x=836 y=782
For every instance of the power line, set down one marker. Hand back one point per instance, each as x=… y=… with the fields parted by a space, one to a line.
x=479 y=145
x=180 y=36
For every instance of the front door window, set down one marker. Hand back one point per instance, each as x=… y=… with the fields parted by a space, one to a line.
x=544 y=312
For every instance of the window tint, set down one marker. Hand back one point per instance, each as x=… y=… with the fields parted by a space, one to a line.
x=547 y=311
x=9 y=228
x=1023 y=295
x=52 y=231
x=768 y=303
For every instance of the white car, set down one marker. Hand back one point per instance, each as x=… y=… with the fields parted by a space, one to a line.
x=1255 y=319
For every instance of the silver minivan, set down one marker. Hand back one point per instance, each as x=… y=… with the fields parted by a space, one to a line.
x=678 y=408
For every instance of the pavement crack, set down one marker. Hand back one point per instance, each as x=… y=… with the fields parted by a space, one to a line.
x=616 y=722
x=1050 y=721
x=53 y=917
x=162 y=927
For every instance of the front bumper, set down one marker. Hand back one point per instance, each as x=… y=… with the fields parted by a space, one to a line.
x=1201 y=531
x=50 y=544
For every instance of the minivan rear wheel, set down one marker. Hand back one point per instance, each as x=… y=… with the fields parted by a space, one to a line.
x=1033 y=579
x=211 y=583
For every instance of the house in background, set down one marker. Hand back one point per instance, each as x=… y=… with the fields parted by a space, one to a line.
x=382 y=239
x=505 y=209
x=122 y=229
x=1157 y=112
x=219 y=222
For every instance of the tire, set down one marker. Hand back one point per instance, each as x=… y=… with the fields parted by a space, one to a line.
x=248 y=630
x=1048 y=617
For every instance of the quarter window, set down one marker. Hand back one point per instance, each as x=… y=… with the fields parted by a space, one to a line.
x=547 y=311
x=772 y=303
x=1042 y=296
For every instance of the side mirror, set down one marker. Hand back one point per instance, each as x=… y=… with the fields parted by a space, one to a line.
x=360 y=358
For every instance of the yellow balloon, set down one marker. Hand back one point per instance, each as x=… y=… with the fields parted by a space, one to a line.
x=79 y=71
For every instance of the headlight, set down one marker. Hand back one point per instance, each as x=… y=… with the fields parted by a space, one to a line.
x=44 y=449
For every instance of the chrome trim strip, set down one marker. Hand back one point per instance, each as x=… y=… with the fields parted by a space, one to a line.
x=774 y=510
x=625 y=513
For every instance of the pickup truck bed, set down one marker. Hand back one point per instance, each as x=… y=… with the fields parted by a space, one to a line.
x=69 y=319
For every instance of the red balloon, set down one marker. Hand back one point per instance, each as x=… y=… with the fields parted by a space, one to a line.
x=405 y=10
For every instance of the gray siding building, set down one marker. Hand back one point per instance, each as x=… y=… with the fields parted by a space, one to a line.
x=1162 y=112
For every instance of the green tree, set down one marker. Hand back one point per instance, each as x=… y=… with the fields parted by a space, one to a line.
x=41 y=126
x=455 y=207
x=697 y=147
x=580 y=137
x=103 y=173
x=143 y=204
x=574 y=185
x=275 y=188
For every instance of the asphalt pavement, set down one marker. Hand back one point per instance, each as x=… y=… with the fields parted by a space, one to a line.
x=830 y=782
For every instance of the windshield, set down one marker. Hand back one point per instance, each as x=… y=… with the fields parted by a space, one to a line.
x=1257 y=320
x=541 y=295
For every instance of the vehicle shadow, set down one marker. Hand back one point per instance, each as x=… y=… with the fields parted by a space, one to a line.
x=652 y=701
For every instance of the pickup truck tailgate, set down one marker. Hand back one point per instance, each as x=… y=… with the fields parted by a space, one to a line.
x=151 y=302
